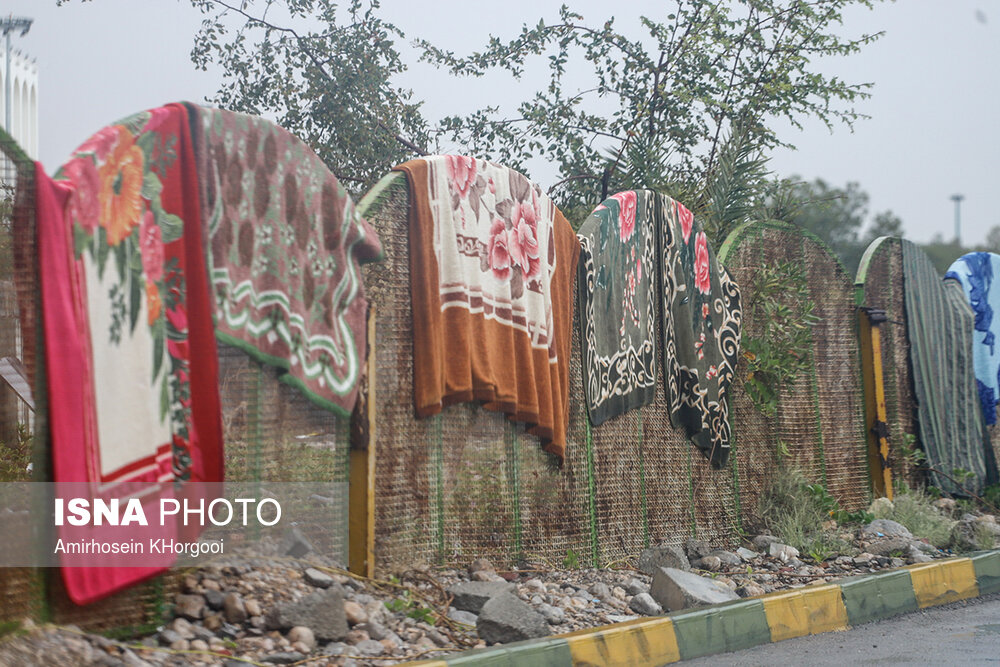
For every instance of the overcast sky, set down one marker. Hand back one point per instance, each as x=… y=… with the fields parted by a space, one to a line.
x=934 y=129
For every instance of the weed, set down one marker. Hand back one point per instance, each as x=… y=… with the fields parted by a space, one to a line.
x=913 y=509
x=411 y=607
x=16 y=457
x=794 y=512
x=572 y=560
x=983 y=536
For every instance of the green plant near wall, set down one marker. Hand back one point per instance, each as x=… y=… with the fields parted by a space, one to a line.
x=782 y=308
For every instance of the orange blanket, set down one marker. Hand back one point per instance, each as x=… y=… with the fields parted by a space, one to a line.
x=492 y=262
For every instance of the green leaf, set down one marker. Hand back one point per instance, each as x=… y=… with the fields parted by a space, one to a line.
x=164 y=397
x=157 y=354
x=134 y=301
x=103 y=250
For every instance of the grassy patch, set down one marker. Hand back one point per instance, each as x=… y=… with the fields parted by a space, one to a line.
x=913 y=509
x=794 y=514
x=15 y=457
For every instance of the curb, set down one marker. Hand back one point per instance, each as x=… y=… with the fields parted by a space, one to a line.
x=741 y=624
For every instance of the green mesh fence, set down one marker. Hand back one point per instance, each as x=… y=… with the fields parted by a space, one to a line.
x=880 y=285
x=469 y=483
x=820 y=416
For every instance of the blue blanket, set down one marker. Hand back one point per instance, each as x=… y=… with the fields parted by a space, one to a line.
x=976 y=271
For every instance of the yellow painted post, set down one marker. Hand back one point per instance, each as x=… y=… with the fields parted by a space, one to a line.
x=875 y=410
x=361 y=494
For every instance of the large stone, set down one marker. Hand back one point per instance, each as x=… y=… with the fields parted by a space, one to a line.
x=322 y=612
x=462 y=616
x=711 y=563
x=782 y=552
x=236 y=612
x=746 y=554
x=664 y=555
x=695 y=549
x=190 y=606
x=317 y=578
x=472 y=595
x=296 y=544
x=644 y=604
x=889 y=546
x=727 y=557
x=763 y=542
x=676 y=589
x=505 y=619
x=885 y=528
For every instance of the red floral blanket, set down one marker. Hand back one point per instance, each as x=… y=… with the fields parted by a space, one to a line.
x=130 y=349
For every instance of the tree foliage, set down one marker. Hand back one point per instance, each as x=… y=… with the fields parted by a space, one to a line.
x=700 y=70
x=322 y=74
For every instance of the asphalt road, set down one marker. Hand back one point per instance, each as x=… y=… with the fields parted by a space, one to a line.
x=963 y=633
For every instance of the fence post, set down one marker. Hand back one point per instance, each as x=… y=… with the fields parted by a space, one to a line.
x=876 y=425
x=361 y=483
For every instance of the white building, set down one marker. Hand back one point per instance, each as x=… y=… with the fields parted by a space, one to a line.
x=24 y=95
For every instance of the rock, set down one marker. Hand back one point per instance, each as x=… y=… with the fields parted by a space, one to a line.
x=299 y=647
x=168 y=637
x=536 y=585
x=749 y=590
x=354 y=636
x=552 y=615
x=180 y=645
x=695 y=549
x=235 y=611
x=619 y=593
x=316 y=578
x=897 y=562
x=965 y=537
x=284 y=658
x=676 y=589
x=369 y=648
x=644 y=604
x=335 y=648
x=881 y=508
x=662 y=556
x=727 y=557
x=889 y=546
x=781 y=551
x=636 y=586
x=252 y=607
x=211 y=585
x=601 y=591
x=190 y=606
x=763 y=542
x=505 y=618
x=183 y=628
x=377 y=631
x=945 y=505
x=462 y=616
x=303 y=635
x=296 y=545
x=472 y=595
x=620 y=618
x=322 y=612
x=199 y=645
x=885 y=528
x=746 y=554
x=214 y=599
x=355 y=613
x=710 y=563
x=481 y=565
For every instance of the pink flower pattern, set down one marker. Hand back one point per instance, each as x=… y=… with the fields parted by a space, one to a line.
x=523 y=239
x=461 y=173
x=497 y=251
x=83 y=206
x=686 y=218
x=626 y=213
x=151 y=247
x=702 y=275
